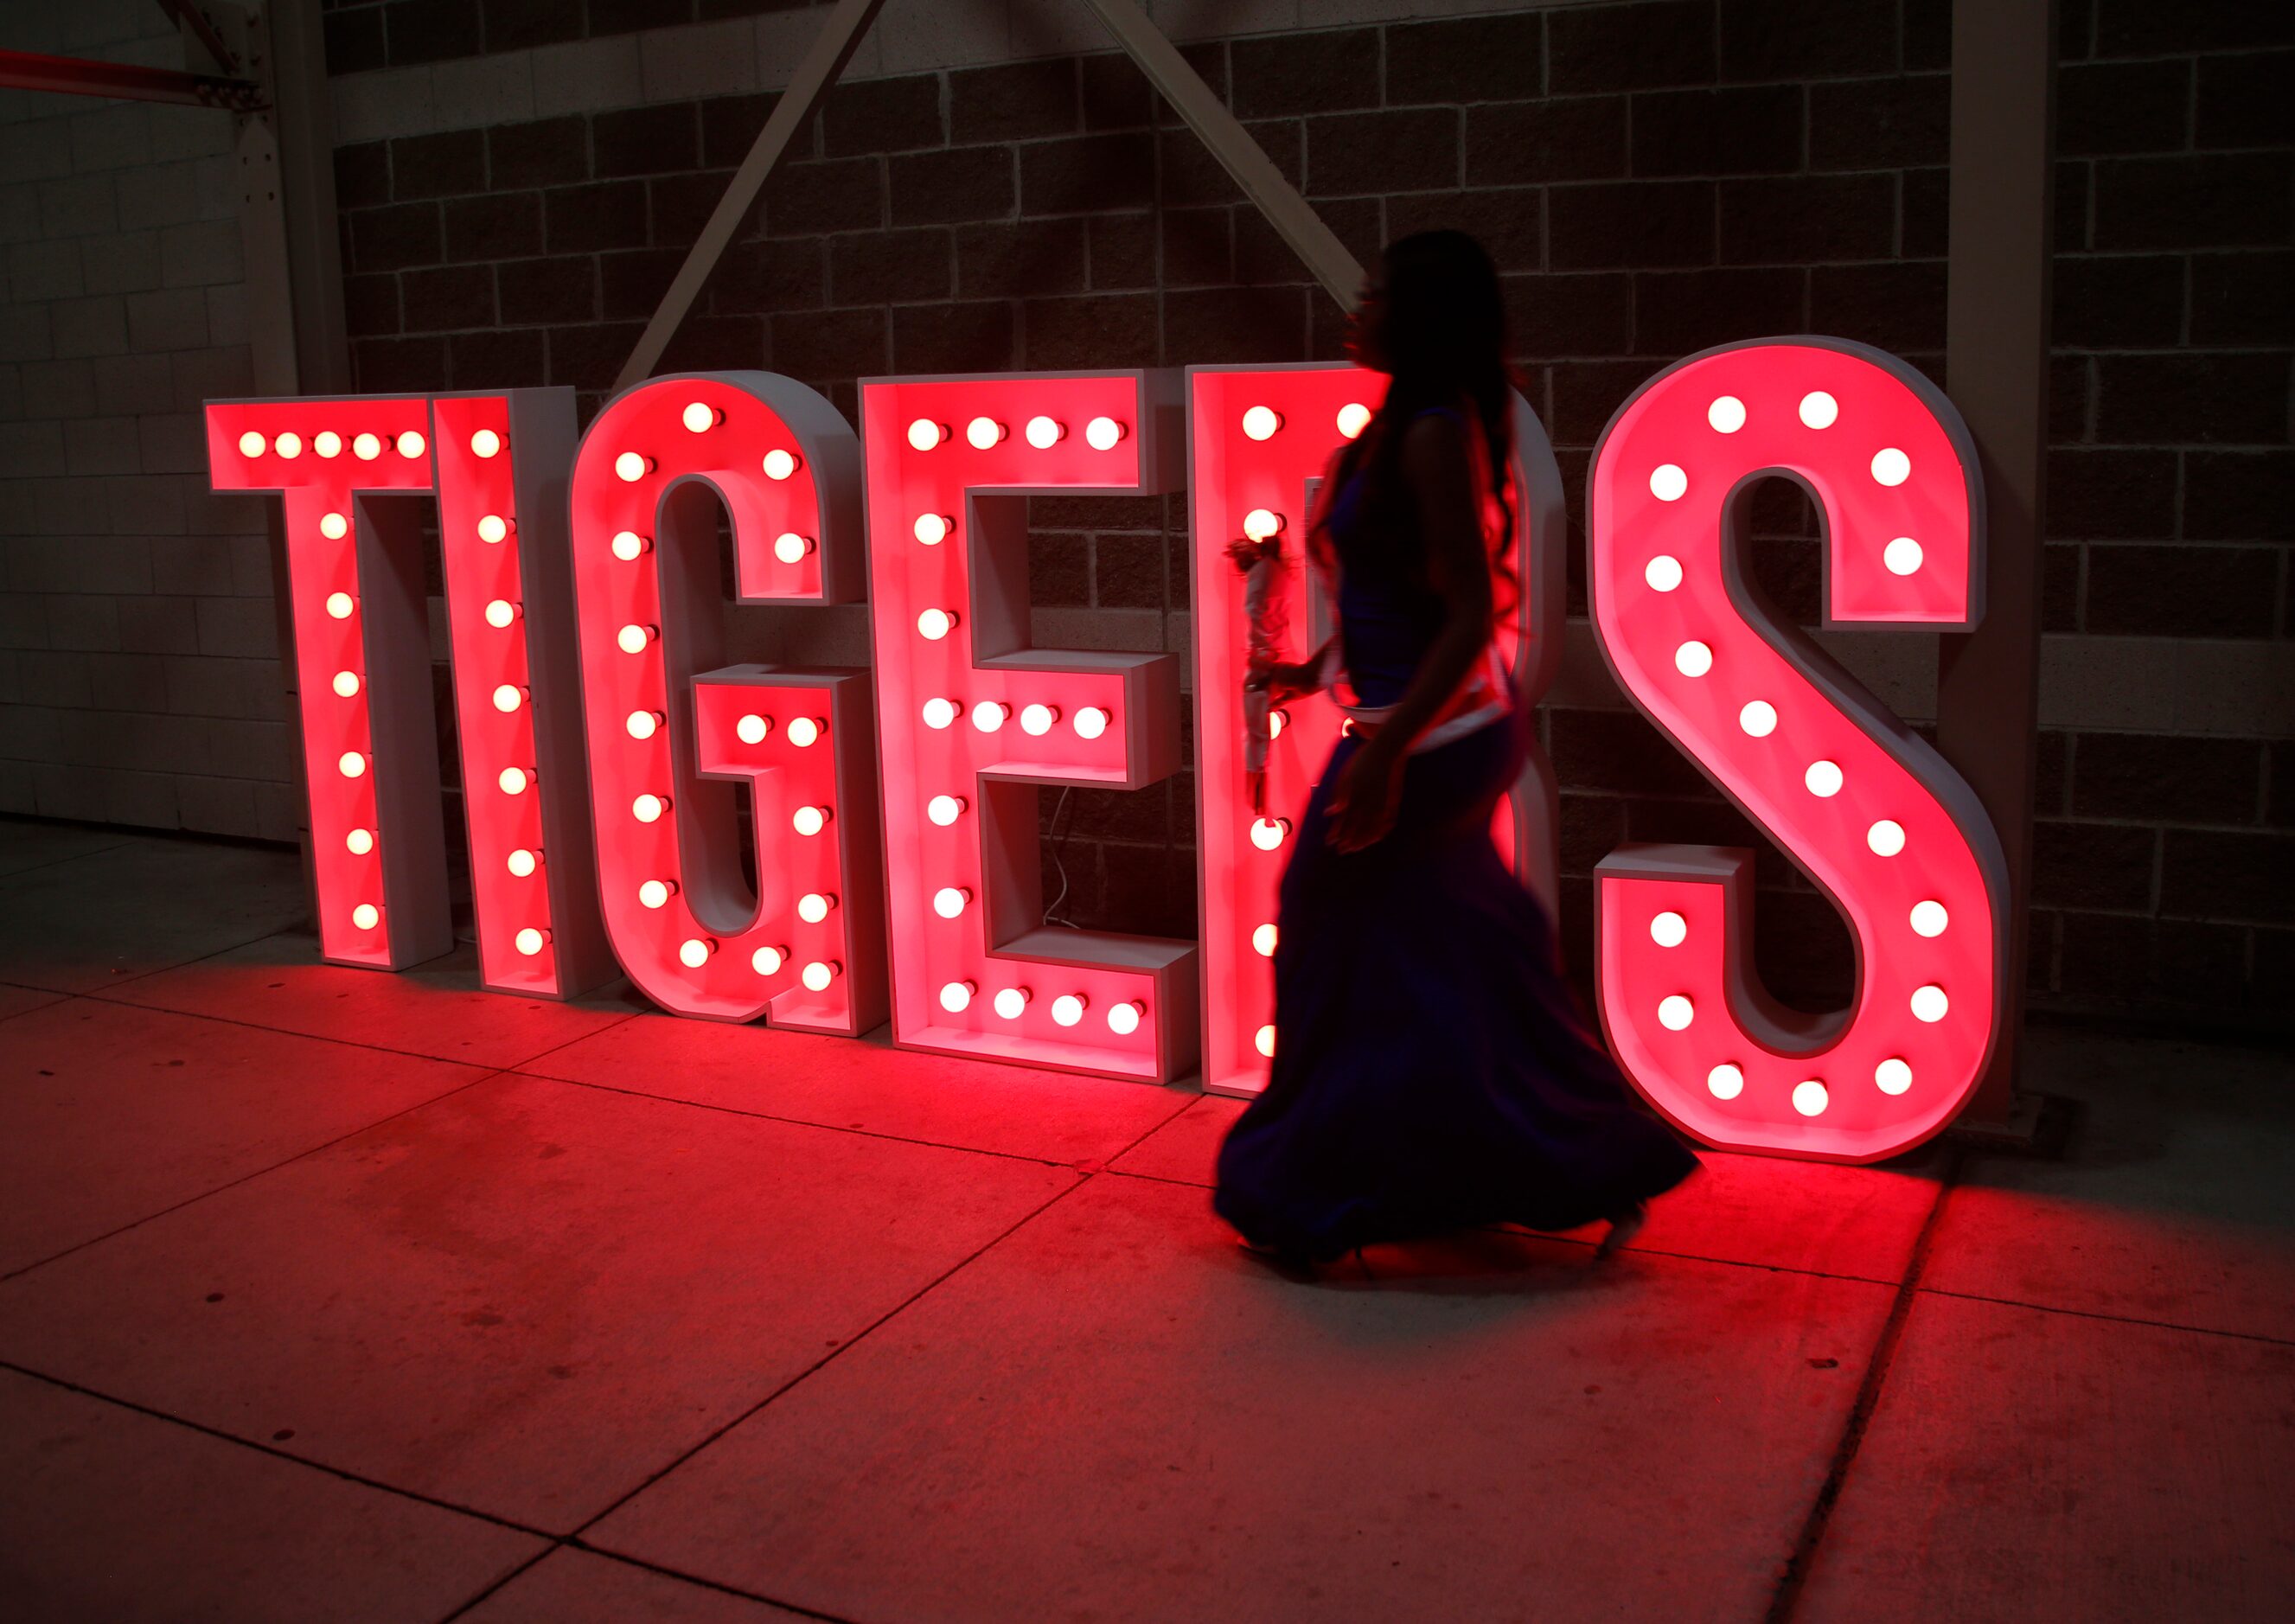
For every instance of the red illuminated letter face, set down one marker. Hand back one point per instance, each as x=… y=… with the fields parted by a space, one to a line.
x=973 y=719
x=1260 y=440
x=1869 y=811
x=671 y=737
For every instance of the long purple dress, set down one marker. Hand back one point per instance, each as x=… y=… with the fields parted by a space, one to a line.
x=1433 y=1071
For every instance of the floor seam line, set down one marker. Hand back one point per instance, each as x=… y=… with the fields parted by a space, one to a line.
x=2117 y=1319
x=282 y=1031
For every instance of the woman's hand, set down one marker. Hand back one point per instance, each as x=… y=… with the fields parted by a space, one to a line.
x=1369 y=793
x=1283 y=680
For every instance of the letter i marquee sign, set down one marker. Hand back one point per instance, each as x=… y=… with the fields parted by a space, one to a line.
x=891 y=860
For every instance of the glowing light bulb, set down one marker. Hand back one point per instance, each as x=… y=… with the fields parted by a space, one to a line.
x=1037 y=720
x=1104 y=433
x=366 y=916
x=642 y=724
x=751 y=729
x=1886 y=837
x=1893 y=1076
x=988 y=715
x=1668 y=929
x=351 y=764
x=819 y=974
x=1123 y=1019
x=1674 y=1013
x=779 y=464
x=1262 y=941
x=328 y=444
x=1068 y=1008
x=635 y=639
x=485 y=442
x=809 y=820
x=339 y=605
x=288 y=446
x=1930 y=1003
x=1265 y=1041
x=522 y=862
x=1664 y=572
x=359 y=842
x=346 y=684
x=499 y=613
x=1727 y=414
x=934 y=625
x=493 y=527
x=1819 y=410
x=515 y=781
x=1261 y=422
x=1824 y=780
x=949 y=900
x=694 y=951
x=805 y=731
x=790 y=548
x=508 y=697
x=1725 y=1081
x=334 y=526
x=956 y=996
x=1091 y=722
x=1354 y=417
x=530 y=940
x=366 y=447
x=1890 y=466
x=814 y=906
x=1667 y=483
x=1276 y=721
x=1260 y=523
x=1011 y=1001
x=932 y=528
x=1930 y=918
x=945 y=810
x=657 y=893
x=699 y=416
x=939 y=713
x=1809 y=1098
x=629 y=546
x=250 y=444
x=1043 y=434
x=410 y=444
x=1693 y=659
x=649 y=808
x=632 y=466
x=924 y=434
x=983 y=432
x=768 y=961
x=1268 y=832
x=1759 y=719
x=1902 y=556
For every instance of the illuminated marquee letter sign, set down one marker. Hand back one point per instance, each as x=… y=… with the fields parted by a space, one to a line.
x=1260 y=440
x=671 y=734
x=973 y=719
x=1874 y=815
x=362 y=662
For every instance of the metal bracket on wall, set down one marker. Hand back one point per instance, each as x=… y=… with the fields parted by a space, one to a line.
x=1293 y=218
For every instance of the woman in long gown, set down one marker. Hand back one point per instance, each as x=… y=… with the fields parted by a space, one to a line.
x=1432 y=1070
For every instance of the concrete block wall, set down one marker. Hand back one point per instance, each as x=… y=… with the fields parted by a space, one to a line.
x=139 y=674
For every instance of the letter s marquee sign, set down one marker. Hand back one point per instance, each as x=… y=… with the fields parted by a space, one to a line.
x=891 y=862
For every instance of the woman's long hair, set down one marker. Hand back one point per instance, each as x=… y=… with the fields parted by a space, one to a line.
x=1444 y=337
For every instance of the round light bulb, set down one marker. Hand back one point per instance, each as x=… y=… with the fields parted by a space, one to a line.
x=1667 y=483
x=1890 y=466
x=1043 y=434
x=251 y=444
x=939 y=712
x=1727 y=414
x=1354 y=417
x=1930 y=1003
x=768 y=961
x=522 y=863
x=1902 y=556
x=1664 y=572
x=649 y=808
x=790 y=548
x=1276 y=721
x=699 y=416
x=629 y=546
x=1010 y=1001
x=984 y=432
x=359 y=842
x=1037 y=720
x=924 y=434
x=813 y=907
x=932 y=529
x=346 y=684
x=1809 y=1098
x=809 y=820
x=1819 y=410
x=508 y=697
x=530 y=940
x=339 y=605
x=694 y=951
x=334 y=526
x=485 y=442
x=366 y=447
x=1759 y=719
x=1265 y=1041
x=410 y=444
x=945 y=810
x=752 y=728
x=1261 y=422
x=1893 y=1076
x=1930 y=918
x=655 y=892
x=779 y=464
x=1262 y=941
x=1123 y=1019
x=366 y=916
x=493 y=527
x=632 y=467
x=949 y=900
x=1693 y=659
x=988 y=715
x=1886 y=837
x=1268 y=832
x=805 y=731
x=1824 y=780
x=328 y=444
x=288 y=446
x=1091 y=722
x=956 y=996
x=635 y=639
x=1668 y=929
x=351 y=764
x=1674 y=1013
x=934 y=625
x=1067 y=1009
x=514 y=780
x=642 y=724
x=819 y=974
x=1260 y=523
x=1725 y=1081
x=1103 y=433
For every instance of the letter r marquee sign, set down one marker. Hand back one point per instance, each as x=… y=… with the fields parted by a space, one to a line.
x=890 y=862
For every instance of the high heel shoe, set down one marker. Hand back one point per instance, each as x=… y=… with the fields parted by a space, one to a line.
x=1624 y=1226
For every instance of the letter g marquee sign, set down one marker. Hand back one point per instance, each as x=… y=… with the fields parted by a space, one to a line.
x=891 y=861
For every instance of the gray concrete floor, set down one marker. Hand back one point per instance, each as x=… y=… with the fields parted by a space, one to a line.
x=329 y=1294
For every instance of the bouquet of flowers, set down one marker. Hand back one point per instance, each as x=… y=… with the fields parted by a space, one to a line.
x=1267 y=620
